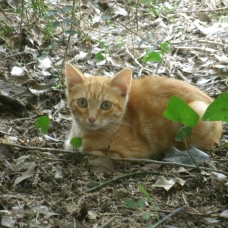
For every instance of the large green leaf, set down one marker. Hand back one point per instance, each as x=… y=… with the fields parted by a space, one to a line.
x=218 y=109
x=179 y=111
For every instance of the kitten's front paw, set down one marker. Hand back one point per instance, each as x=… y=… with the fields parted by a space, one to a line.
x=68 y=146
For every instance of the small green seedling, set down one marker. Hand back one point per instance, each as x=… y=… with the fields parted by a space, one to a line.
x=156 y=56
x=152 y=57
x=144 y=191
x=133 y=204
x=100 y=57
x=76 y=142
x=43 y=123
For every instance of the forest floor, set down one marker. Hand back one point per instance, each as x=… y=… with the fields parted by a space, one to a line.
x=43 y=186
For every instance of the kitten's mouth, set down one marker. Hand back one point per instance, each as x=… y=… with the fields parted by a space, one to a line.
x=92 y=126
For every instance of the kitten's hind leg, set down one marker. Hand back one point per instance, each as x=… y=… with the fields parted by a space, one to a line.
x=206 y=133
x=199 y=106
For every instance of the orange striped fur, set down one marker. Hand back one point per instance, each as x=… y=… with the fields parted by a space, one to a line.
x=134 y=125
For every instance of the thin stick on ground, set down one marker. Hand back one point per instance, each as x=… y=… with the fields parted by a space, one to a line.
x=144 y=161
x=122 y=177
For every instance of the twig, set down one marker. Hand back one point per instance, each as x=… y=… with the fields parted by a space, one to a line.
x=25 y=118
x=87 y=153
x=168 y=216
x=122 y=177
x=1 y=10
x=49 y=175
x=201 y=49
x=200 y=11
x=107 y=224
x=129 y=53
x=40 y=149
x=199 y=40
x=16 y=54
x=168 y=163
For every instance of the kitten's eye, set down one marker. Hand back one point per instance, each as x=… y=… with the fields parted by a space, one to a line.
x=106 y=105
x=82 y=103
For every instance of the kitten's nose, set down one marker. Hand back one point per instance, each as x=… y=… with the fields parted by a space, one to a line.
x=91 y=120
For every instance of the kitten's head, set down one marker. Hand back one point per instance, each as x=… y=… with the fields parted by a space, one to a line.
x=97 y=102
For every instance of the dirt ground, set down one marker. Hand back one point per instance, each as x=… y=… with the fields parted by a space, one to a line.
x=43 y=186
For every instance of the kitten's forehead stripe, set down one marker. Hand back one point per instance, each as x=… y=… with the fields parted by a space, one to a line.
x=96 y=89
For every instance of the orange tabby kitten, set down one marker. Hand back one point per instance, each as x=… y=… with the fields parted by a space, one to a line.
x=122 y=117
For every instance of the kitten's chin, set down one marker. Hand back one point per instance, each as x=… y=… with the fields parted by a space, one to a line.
x=91 y=127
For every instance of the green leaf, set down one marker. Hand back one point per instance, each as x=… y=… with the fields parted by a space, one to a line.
x=100 y=57
x=52 y=12
x=103 y=44
x=71 y=32
x=218 y=109
x=7 y=29
x=68 y=21
x=66 y=9
x=55 y=24
x=106 y=17
x=43 y=123
x=145 y=216
x=165 y=47
x=179 y=111
x=152 y=57
x=183 y=133
x=77 y=142
x=141 y=202
x=154 y=11
x=130 y=204
x=149 y=225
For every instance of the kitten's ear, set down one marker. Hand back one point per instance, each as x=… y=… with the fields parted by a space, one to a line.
x=122 y=81
x=73 y=75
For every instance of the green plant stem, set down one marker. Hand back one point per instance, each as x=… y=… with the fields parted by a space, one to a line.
x=22 y=13
x=71 y=26
x=190 y=154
